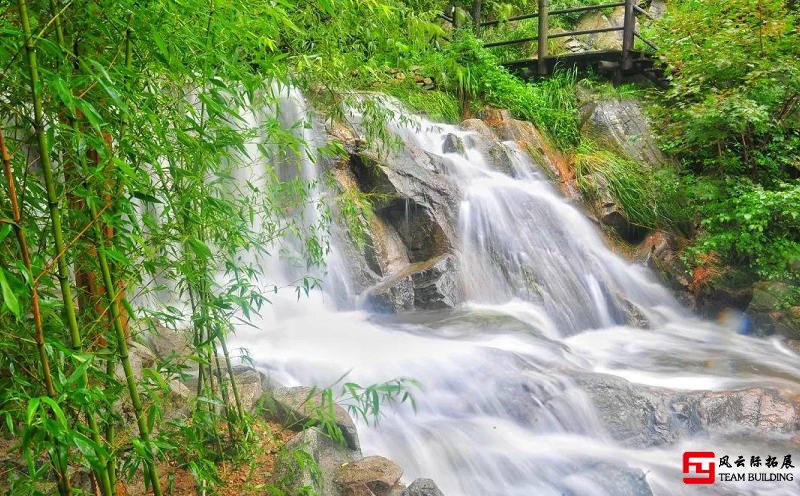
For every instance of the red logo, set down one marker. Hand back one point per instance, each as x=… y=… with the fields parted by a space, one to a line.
x=700 y=466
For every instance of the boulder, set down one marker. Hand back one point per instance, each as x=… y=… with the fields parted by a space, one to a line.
x=249 y=384
x=430 y=284
x=453 y=144
x=642 y=416
x=529 y=139
x=299 y=407
x=422 y=487
x=373 y=475
x=479 y=127
x=436 y=284
x=605 y=478
x=611 y=40
x=771 y=310
x=618 y=124
x=412 y=190
x=394 y=294
x=493 y=116
x=608 y=211
x=294 y=474
x=167 y=341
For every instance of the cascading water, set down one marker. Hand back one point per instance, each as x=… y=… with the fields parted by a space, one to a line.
x=536 y=385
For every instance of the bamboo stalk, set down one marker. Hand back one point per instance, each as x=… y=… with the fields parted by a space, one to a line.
x=234 y=387
x=55 y=218
x=64 y=487
x=114 y=305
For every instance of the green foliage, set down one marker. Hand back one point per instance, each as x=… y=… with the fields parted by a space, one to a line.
x=731 y=119
x=735 y=87
x=649 y=197
x=750 y=226
x=550 y=104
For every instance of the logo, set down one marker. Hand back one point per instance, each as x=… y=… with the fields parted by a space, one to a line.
x=700 y=464
x=701 y=467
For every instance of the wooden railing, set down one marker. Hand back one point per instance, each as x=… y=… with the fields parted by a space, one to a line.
x=543 y=13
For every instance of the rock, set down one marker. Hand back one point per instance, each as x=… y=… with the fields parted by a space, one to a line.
x=428 y=81
x=373 y=475
x=642 y=416
x=659 y=251
x=657 y=8
x=453 y=144
x=299 y=407
x=771 y=309
x=499 y=155
x=598 y=20
x=249 y=384
x=419 y=199
x=430 y=284
x=167 y=342
x=391 y=254
x=606 y=208
x=479 y=127
x=605 y=478
x=529 y=139
x=293 y=476
x=436 y=284
x=493 y=116
x=422 y=487
x=394 y=294
x=619 y=125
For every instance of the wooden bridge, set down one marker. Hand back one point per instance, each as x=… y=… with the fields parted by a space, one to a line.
x=618 y=63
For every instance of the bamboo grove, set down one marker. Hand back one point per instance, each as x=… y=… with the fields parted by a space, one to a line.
x=120 y=124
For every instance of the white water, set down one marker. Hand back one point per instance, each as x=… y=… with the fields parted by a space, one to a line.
x=500 y=412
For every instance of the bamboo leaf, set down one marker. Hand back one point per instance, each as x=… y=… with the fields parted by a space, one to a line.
x=9 y=298
x=33 y=407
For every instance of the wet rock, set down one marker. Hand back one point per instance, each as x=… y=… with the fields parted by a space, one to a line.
x=453 y=144
x=641 y=416
x=299 y=407
x=530 y=140
x=436 y=284
x=394 y=294
x=499 y=155
x=659 y=251
x=430 y=284
x=360 y=253
x=419 y=198
x=771 y=309
x=479 y=127
x=391 y=254
x=608 y=211
x=422 y=487
x=373 y=475
x=292 y=476
x=619 y=125
x=612 y=479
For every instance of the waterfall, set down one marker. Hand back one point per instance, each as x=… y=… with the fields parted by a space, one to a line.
x=537 y=384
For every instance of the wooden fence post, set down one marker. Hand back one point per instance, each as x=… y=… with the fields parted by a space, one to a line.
x=628 y=30
x=542 y=48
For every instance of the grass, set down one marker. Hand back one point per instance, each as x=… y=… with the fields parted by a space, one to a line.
x=648 y=196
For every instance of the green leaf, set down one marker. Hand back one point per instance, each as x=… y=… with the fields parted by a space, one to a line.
x=4 y=230
x=200 y=249
x=33 y=407
x=9 y=298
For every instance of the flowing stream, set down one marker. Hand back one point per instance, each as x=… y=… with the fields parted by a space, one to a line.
x=535 y=385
